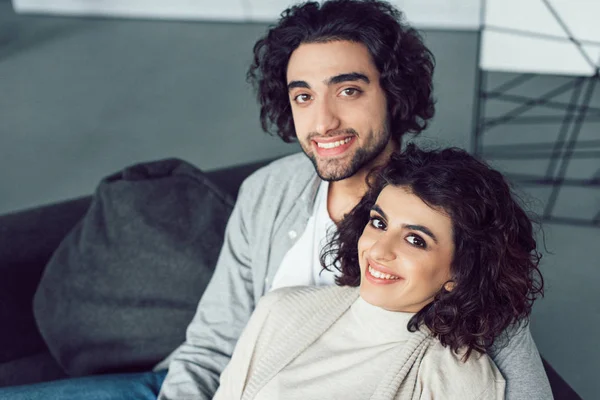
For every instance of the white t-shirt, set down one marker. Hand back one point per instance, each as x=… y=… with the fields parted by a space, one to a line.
x=301 y=265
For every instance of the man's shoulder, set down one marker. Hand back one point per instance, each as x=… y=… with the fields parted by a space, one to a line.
x=285 y=168
x=293 y=172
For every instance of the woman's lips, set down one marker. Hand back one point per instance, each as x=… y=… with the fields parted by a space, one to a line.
x=380 y=275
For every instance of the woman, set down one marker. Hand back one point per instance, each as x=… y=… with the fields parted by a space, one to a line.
x=444 y=260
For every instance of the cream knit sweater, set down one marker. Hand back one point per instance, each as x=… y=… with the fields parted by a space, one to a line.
x=290 y=322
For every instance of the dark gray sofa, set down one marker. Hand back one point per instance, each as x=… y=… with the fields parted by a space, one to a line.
x=27 y=241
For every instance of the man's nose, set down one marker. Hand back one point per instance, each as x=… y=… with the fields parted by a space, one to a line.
x=326 y=118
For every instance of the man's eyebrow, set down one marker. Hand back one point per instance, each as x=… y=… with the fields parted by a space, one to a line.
x=334 y=80
x=351 y=77
x=298 y=84
x=423 y=229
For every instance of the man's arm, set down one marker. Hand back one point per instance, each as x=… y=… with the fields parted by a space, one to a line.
x=220 y=318
x=521 y=365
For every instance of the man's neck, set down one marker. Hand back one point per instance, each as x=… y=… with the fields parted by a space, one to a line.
x=344 y=195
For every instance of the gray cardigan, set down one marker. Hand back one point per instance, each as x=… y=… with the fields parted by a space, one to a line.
x=273 y=207
x=287 y=321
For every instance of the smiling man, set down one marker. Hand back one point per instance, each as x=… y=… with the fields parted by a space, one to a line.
x=347 y=80
x=339 y=108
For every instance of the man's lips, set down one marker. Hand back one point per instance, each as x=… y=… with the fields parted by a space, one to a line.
x=332 y=146
x=330 y=139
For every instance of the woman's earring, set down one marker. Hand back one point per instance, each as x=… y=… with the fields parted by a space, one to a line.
x=449 y=286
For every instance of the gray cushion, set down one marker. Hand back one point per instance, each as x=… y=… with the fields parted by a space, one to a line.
x=124 y=284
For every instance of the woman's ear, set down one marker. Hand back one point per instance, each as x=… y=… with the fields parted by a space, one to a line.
x=449 y=286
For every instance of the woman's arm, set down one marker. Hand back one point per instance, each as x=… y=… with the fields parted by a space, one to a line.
x=234 y=377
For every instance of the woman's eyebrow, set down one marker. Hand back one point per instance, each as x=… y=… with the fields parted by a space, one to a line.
x=378 y=209
x=423 y=229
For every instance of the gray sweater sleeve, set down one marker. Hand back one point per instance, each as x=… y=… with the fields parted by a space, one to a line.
x=222 y=313
x=519 y=362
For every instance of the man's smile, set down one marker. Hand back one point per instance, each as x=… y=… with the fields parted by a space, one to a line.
x=332 y=146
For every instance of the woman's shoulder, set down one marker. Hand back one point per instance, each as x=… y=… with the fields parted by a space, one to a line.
x=303 y=302
x=300 y=295
x=444 y=374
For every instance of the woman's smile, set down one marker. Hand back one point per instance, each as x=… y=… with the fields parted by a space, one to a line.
x=380 y=275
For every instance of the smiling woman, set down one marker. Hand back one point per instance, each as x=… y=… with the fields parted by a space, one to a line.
x=405 y=251
x=435 y=263
x=448 y=226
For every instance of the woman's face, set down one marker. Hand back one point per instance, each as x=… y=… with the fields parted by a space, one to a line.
x=405 y=252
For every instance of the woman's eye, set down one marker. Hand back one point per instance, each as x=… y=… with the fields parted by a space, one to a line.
x=416 y=240
x=302 y=98
x=377 y=223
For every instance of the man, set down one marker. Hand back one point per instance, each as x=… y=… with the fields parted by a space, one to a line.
x=347 y=79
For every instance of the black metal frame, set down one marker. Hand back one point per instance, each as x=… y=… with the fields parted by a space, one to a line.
x=567 y=145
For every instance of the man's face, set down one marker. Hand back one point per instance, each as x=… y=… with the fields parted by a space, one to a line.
x=339 y=108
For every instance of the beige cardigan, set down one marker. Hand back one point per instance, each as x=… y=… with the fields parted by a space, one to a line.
x=289 y=320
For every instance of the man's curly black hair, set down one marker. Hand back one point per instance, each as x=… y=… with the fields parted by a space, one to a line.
x=495 y=263
x=404 y=63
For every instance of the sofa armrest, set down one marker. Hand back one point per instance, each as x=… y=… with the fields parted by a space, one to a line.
x=560 y=388
x=27 y=240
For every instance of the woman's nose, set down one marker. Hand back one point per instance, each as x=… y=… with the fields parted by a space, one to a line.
x=384 y=248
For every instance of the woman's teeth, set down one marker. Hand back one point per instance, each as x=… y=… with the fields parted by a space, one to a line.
x=334 y=144
x=381 y=275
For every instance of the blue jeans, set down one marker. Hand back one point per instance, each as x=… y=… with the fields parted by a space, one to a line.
x=132 y=386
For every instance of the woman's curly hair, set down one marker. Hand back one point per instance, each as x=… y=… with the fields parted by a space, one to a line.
x=495 y=263
x=404 y=63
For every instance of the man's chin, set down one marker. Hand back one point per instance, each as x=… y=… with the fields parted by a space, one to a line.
x=333 y=174
x=333 y=170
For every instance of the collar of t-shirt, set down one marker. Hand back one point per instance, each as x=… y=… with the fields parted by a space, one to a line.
x=301 y=265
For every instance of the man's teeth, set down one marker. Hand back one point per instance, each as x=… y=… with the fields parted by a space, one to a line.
x=334 y=144
x=381 y=275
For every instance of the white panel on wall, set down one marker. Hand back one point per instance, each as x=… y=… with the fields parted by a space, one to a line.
x=442 y=14
x=593 y=52
x=541 y=36
x=581 y=17
x=171 y=9
x=522 y=15
x=515 y=53
x=435 y=14
x=267 y=10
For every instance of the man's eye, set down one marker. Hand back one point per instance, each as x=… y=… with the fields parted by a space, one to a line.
x=416 y=241
x=377 y=223
x=302 y=98
x=349 y=92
